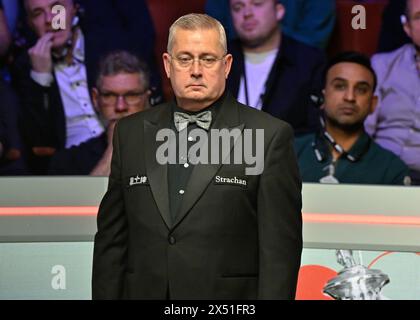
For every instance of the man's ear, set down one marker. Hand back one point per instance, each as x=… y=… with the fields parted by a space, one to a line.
x=228 y=64
x=406 y=26
x=167 y=64
x=374 y=104
x=280 y=11
x=95 y=98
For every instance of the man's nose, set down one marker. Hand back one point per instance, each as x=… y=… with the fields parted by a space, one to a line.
x=248 y=10
x=121 y=105
x=349 y=95
x=48 y=17
x=196 y=68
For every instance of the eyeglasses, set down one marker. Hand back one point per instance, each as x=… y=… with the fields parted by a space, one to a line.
x=130 y=98
x=186 y=61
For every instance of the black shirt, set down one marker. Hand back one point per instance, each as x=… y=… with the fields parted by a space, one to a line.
x=179 y=173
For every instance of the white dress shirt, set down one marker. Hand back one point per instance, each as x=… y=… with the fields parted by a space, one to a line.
x=82 y=122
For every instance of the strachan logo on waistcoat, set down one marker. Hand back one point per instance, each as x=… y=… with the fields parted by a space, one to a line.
x=232 y=181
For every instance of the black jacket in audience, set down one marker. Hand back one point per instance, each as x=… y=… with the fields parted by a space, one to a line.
x=296 y=73
x=79 y=160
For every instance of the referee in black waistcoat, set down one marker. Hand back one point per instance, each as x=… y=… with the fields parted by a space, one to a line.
x=196 y=230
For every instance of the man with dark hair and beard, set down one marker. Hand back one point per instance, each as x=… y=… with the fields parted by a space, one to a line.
x=341 y=152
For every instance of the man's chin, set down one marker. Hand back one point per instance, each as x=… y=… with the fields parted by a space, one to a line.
x=351 y=126
x=60 y=40
x=196 y=95
x=251 y=41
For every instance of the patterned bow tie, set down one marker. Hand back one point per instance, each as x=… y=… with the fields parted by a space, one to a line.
x=203 y=120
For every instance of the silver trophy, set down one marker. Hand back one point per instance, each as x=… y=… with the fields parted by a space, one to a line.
x=355 y=281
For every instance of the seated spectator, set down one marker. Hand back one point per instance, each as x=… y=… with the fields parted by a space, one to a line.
x=392 y=35
x=271 y=71
x=11 y=152
x=55 y=77
x=122 y=88
x=53 y=83
x=5 y=37
x=395 y=124
x=341 y=152
x=311 y=22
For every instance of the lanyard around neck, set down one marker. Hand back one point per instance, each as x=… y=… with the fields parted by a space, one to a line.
x=337 y=147
x=261 y=96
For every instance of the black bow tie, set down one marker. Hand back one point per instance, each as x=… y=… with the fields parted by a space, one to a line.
x=203 y=120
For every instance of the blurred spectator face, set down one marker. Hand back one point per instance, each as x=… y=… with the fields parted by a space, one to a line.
x=120 y=95
x=412 y=26
x=197 y=66
x=40 y=19
x=256 y=21
x=349 y=96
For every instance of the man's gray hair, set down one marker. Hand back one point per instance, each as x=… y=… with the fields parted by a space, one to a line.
x=197 y=21
x=118 y=62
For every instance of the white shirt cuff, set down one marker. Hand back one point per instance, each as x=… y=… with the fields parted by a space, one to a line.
x=42 y=78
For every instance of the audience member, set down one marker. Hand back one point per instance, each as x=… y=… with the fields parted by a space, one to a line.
x=271 y=71
x=395 y=124
x=122 y=88
x=341 y=152
x=54 y=79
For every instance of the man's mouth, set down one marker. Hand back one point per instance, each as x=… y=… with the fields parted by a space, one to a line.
x=196 y=86
x=54 y=30
x=249 y=26
x=348 y=110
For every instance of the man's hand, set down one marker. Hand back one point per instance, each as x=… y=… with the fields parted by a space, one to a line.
x=40 y=54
